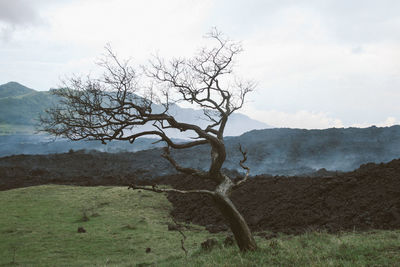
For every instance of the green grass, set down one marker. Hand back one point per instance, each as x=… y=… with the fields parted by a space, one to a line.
x=40 y=224
x=38 y=227
x=380 y=248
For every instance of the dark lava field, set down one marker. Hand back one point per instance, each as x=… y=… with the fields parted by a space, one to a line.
x=364 y=199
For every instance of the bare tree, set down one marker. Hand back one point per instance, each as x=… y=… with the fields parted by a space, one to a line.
x=120 y=104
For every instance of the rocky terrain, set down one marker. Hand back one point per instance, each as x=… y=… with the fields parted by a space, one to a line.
x=367 y=198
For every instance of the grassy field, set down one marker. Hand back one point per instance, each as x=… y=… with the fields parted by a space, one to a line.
x=38 y=227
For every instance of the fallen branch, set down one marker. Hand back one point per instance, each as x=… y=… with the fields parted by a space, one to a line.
x=155 y=188
x=183 y=236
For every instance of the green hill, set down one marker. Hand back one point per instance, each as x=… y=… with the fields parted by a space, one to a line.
x=20 y=107
x=24 y=109
x=12 y=89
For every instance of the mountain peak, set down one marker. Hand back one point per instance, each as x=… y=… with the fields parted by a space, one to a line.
x=11 y=89
x=12 y=83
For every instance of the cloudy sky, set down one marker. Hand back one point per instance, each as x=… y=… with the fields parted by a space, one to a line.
x=318 y=64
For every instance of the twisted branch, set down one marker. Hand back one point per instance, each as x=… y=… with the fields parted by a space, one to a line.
x=241 y=163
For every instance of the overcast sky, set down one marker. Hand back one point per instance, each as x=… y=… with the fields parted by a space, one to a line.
x=319 y=64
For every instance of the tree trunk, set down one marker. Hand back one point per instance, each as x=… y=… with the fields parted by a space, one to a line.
x=238 y=225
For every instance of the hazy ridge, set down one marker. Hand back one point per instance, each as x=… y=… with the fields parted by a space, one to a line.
x=280 y=151
x=21 y=106
x=271 y=151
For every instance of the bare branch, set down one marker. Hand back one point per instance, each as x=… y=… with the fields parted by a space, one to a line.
x=181 y=169
x=165 y=138
x=156 y=189
x=199 y=80
x=241 y=163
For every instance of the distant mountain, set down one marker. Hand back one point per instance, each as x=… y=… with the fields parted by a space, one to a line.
x=20 y=105
x=237 y=124
x=12 y=89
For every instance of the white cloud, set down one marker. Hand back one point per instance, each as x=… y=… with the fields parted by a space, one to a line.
x=339 y=59
x=18 y=12
x=77 y=32
x=324 y=76
x=15 y=15
x=390 y=121
x=134 y=28
x=301 y=119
